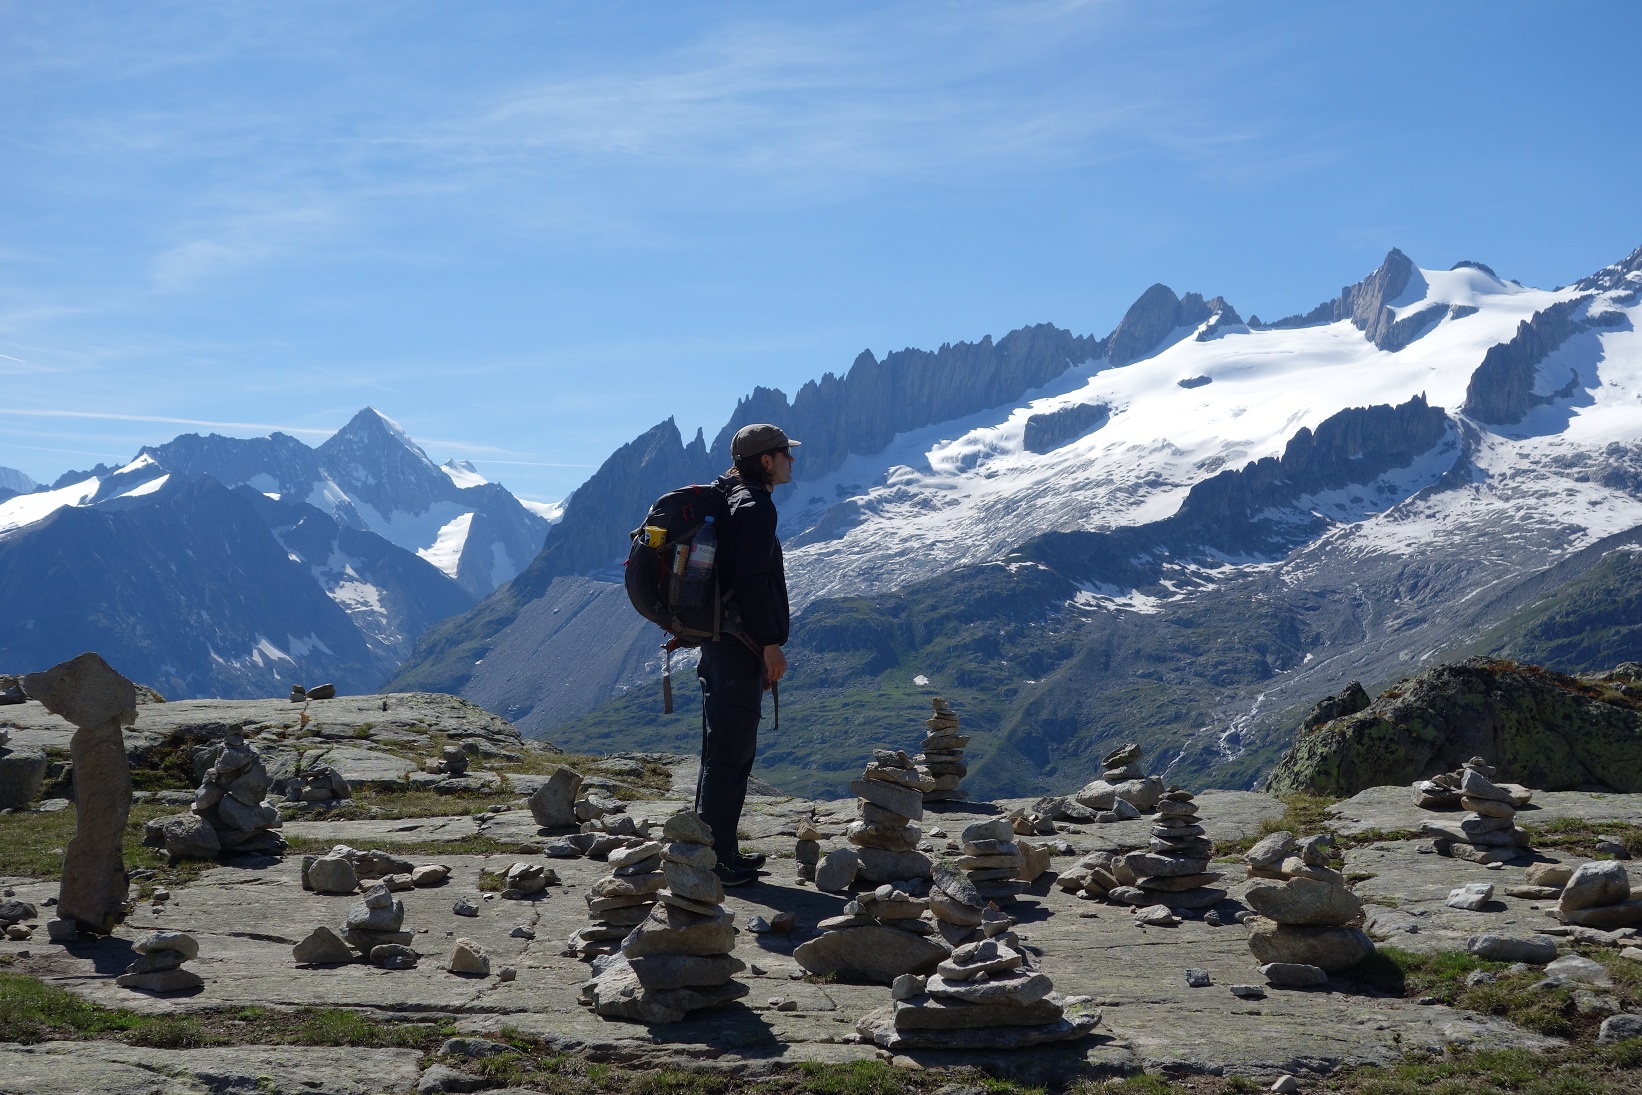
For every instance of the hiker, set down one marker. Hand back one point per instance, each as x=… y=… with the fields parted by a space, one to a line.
x=736 y=670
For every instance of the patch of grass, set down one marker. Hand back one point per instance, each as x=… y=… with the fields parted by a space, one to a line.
x=32 y=1011
x=396 y=805
x=1513 y=996
x=166 y=767
x=31 y=846
x=1303 y=815
x=1579 y=836
x=492 y=881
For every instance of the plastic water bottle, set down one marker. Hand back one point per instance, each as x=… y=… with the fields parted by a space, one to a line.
x=704 y=552
x=698 y=572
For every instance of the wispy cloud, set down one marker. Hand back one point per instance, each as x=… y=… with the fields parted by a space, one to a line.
x=110 y=416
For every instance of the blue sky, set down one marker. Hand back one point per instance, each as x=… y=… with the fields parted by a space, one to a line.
x=529 y=231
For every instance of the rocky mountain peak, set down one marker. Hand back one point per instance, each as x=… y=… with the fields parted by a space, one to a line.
x=1626 y=272
x=376 y=461
x=1151 y=319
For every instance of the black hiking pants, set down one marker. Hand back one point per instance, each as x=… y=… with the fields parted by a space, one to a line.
x=732 y=684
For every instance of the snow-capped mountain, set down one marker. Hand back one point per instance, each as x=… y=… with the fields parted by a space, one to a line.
x=389 y=541
x=13 y=482
x=1340 y=493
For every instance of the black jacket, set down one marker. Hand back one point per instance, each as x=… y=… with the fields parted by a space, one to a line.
x=751 y=562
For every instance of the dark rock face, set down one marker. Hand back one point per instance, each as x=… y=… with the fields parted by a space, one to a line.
x=136 y=578
x=1626 y=273
x=1352 y=699
x=1150 y=320
x=1366 y=305
x=1501 y=391
x=1538 y=728
x=1047 y=432
x=862 y=411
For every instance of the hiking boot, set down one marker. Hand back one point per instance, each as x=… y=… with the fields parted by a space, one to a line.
x=751 y=862
x=735 y=874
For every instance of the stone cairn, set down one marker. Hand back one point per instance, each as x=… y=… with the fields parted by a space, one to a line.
x=984 y=995
x=12 y=914
x=374 y=929
x=1300 y=935
x=1488 y=834
x=451 y=761
x=316 y=787
x=622 y=900
x=993 y=860
x=1122 y=793
x=941 y=756
x=232 y=801
x=158 y=967
x=88 y=693
x=678 y=958
x=807 y=849
x=878 y=936
x=891 y=797
x=1174 y=872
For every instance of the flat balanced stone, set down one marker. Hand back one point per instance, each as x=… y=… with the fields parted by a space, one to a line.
x=1332 y=949
x=871 y=953
x=670 y=930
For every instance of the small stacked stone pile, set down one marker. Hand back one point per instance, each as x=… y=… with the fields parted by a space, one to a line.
x=1174 y=872
x=621 y=900
x=993 y=860
x=807 y=849
x=1488 y=834
x=524 y=881
x=877 y=937
x=1599 y=895
x=12 y=914
x=158 y=967
x=375 y=929
x=1300 y=935
x=319 y=786
x=941 y=756
x=678 y=959
x=229 y=814
x=891 y=792
x=1095 y=875
x=984 y=996
x=451 y=761
x=1123 y=790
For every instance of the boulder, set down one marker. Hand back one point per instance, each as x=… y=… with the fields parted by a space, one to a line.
x=1535 y=950
x=1626 y=914
x=1554 y=875
x=553 y=804
x=1601 y=882
x=22 y=772
x=871 y=953
x=1331 y=949
x=332 y=874
x=469 y=959
x=1472 y=897
x=1294 y=975
x=322 y=947
x=183 y=836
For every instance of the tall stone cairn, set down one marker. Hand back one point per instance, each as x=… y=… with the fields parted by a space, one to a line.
x=1304 y=907
x=992 y=860
x=621 y=900
x=941 y=757
x=232 y=800
x=678 y=958
x=984 y=996
x=1174 y=871
x=891 y=797
x=96 y=700
x=1488 y=833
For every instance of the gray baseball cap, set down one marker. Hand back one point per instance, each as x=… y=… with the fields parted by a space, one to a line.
x=760 y=438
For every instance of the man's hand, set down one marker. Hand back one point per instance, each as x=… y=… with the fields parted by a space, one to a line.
x=775 y=664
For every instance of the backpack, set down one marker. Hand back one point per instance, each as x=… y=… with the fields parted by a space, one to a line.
x=655 y=573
